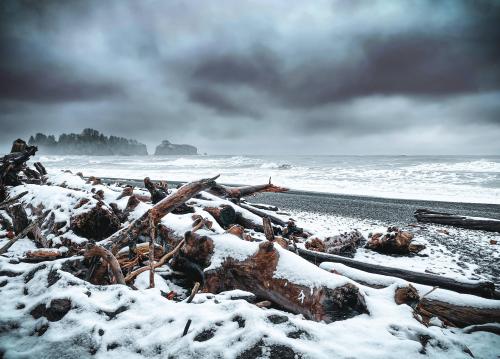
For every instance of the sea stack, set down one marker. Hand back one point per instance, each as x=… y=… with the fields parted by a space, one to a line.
x=167 y=148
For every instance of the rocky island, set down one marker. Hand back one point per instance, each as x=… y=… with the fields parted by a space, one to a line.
x=89 y=142
x=167 y=148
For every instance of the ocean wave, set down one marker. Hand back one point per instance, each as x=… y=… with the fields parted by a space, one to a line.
x=274 y=165
x=482 y=165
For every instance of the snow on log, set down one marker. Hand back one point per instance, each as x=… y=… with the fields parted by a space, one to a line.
x=485 y=224
x=274 y=274
x=122 y=238
x=238 y=192
x=480 y=288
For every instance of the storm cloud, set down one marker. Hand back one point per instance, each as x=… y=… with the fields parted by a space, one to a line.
x=327 y=77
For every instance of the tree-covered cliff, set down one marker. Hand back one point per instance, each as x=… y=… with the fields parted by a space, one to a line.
x=89 y=142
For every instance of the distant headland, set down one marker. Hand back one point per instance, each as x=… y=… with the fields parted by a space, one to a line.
x=93 y=143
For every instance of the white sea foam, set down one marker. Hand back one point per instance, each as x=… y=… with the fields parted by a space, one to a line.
x=456 y=179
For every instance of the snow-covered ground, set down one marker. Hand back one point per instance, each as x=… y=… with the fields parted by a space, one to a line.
x=47 y=312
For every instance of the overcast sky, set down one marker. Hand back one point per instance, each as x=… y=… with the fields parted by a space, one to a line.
x=262 y=77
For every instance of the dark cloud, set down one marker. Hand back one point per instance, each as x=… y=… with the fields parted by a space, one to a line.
x=321 y=75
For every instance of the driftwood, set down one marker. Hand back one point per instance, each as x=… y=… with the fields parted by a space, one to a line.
x=10 y=201
x=23 y=233
x=93 y=250
x=225 y=215
x=157 y=191
x=42 y=255
x=276 y=220
x=256 y=274
x=238 y=192
x=344 y=244
x=14 y=163
x=451 y=314
x=481 y=288
x=395 y=241
x=485 y=224
x=122 y=238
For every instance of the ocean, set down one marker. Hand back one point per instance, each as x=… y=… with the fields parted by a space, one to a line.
x=472 y=179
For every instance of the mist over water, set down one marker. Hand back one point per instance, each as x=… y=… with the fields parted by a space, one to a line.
x=473 y=179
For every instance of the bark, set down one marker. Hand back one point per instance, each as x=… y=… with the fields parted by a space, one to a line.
x=275 y=220
x=485 y=224
x=122 y=238
x=41 y=255
x=93 y=250
x=268 y=229
x=394 y=241
x=480 y=288
x=238 y=192
x=23 y=233
x=96 y=224
x=451 y=314
x=6 y=203
x=345 y=244
x=19 y=217
x=256 y=274
x=157 y=191
x=14 y=163
x=40 y=168
x=225 y=215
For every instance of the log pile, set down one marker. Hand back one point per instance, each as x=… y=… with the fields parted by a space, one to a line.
x=228 y=244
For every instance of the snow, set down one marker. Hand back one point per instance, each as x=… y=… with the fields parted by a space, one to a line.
x=116 y=321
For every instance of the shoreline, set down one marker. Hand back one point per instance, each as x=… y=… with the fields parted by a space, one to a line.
x=395 y=210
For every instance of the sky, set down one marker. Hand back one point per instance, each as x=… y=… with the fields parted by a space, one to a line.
x=256 y=77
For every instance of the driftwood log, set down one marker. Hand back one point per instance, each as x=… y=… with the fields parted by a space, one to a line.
x=485 y=224
x=123 y=237
x=395 y=241
x=256 y=274
x=14 y=163
x=483 y=289
x=93 y=250
x=451 y=314
x=225 y=215
x=238 y=192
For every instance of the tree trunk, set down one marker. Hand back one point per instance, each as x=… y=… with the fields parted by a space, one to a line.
x=122 y=238
x=257 y=275
x=225 y=215
x=451 y=314
x=485 y=224
x=480 y=288
x=238 y=192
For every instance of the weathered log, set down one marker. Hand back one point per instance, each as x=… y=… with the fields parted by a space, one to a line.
x=40 y=168
x=161 y=262
x=23 y=233
x=15 y=162
x=225 y=215
x=480 y=288
x=451 y=314
x=19 y=217
x=9 y=201
x=344 y=244
x=485 y=224
x=157 y=191
x=238 y=192
x=276 y=220
x=122 y=238
x=395 y=241
x=96 y=224
x=267 y=207
x=41 y=255
x=18 y=145
x=257 y=275
x=268 y=229
x=93 y=250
